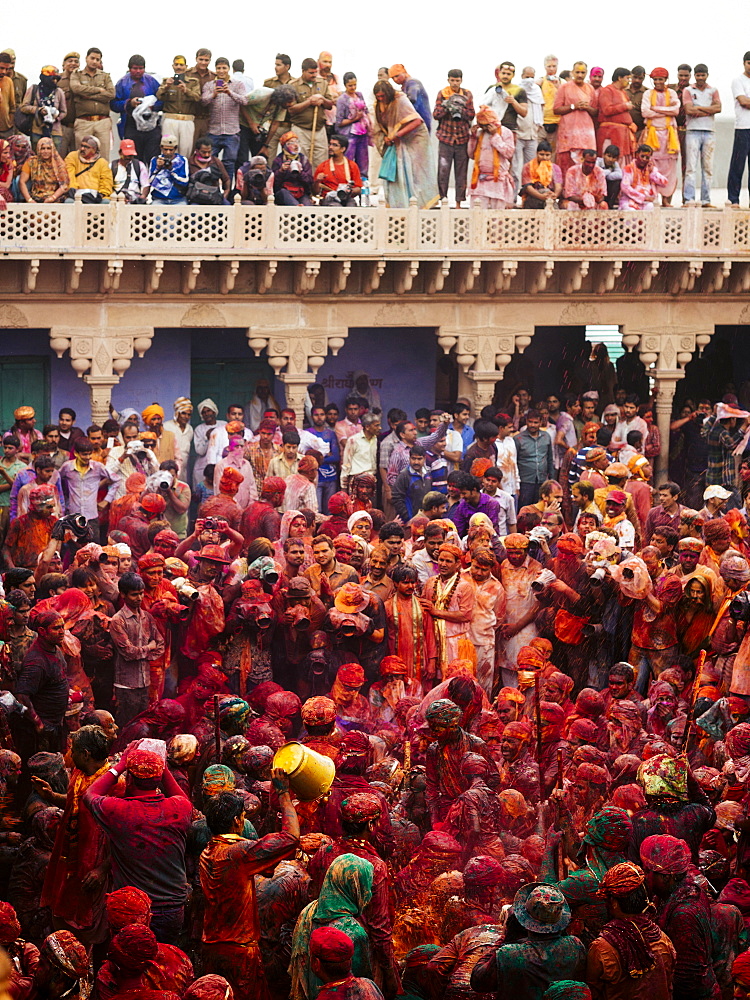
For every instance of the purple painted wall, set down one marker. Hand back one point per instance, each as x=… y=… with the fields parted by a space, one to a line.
x=401 y=364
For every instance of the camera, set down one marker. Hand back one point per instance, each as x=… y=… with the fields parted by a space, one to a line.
x=256 y=178
x=627 y=573
x=135 y=447
x=210 y=524
x=75 y=523
x=349 y=625
x=739 y=607
x=455 y=106
x=295 y=166
x=540 y=533
x=179 y=78
x=300 y=617
x=187 y=593
x=246 y=614
x=545 y=577
x=589 y=630
x=163 y=481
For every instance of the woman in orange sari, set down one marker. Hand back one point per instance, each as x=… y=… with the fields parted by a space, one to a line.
x=695 y=616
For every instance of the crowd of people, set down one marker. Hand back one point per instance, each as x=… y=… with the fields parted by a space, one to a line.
x=524 y=663
x=204 y=136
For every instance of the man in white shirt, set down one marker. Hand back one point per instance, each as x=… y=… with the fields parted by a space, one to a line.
x=701 y=103
x=361 y=450
x=183 y=432
x=741 y=147
x=506 y=454
x=632 y=422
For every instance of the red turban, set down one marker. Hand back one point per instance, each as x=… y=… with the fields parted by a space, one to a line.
x=272 y=485
x=128 y=906
x=135 y=483
x=570 y=544
x=518 y=731
x=543 y=645
x=590 y=772
x=318 y=711
x=64 y=951
x=665 y=854
x=351 y=673
x=329 y=944
x=510 y=694
x=737 y=706
x=360 y=807
x=529 y=658
x=737 y=740
x=10 y=928
x=210 y=988
x=230 y=480
x=355 y=742
x=590 y=703
x=737 y=893
x=153 y=503
x=282 y=704
x=133 y=947
x=259 y=695
x=629 y=797
x=145 y=764
x=741 y=969
x=452 y=550
x=393 y=665
x=482 y=872
x=659 y=71
x=552 y=712
x=583 y=729
x=515 y=872
x=340 y=503
x=150 y=560
x=621 y=879
x=716 y=530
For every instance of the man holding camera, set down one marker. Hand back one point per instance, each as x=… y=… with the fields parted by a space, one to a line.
x=454 y=112
x=134 y=456
x=224 y=98
x=337 y=179
x=177 y=496
x=180 y=96
x=81 y=478
x=168 y=178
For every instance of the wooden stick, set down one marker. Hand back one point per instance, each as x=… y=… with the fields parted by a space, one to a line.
x=560 y=861
x=217 y=729
x=538 y=712
x=314 y=131
x=693 y=700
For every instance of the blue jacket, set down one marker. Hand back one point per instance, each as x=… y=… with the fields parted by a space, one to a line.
x=122 y=96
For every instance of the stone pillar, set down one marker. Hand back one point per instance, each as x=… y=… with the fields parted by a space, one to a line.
x=101 y=358
x=301 y=352
x=483 y=356
x=666 y=383
x=668 y=351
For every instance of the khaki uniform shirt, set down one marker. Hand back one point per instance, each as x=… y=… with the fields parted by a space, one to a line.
x=85 y=89
x=304 y=119
x=201 y=110
x=178 y=101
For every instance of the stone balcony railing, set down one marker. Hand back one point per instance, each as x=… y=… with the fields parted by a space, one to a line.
x=99 y=231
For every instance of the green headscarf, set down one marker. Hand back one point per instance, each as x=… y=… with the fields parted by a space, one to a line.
x=346 y=891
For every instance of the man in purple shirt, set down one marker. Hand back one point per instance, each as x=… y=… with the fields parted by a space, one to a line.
x=667 y=514
x=81 y=478
x=473 y=501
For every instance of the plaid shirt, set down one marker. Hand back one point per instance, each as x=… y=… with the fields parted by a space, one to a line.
x=224 y=107
x=453 y=131
x=399 y=459
x=721 y=443
x=260 y=460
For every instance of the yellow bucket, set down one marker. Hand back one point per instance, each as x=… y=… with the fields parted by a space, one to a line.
x=310 y=773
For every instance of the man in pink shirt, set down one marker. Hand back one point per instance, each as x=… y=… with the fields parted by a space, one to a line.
x=585 y=184
x=640 y=180
x=574 y=103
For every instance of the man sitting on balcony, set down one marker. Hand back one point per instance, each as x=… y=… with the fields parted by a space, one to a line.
x=168 y=174
x=640 y=179
x=585 y=184
x=337 y=179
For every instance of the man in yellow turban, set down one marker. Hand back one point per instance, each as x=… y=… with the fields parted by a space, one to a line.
x=153 y=418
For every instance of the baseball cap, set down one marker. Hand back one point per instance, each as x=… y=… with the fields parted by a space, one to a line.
x=127 y=146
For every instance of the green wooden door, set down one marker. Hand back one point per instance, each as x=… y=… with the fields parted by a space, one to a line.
x=24 y=382
x=226 y=381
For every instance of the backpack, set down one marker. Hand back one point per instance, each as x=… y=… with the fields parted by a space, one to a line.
x=21 y=119
x=205 y=188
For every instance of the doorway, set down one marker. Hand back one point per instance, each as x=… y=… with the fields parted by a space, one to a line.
x=24 y=382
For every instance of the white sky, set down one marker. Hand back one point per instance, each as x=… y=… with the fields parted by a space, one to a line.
x=429 y=37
